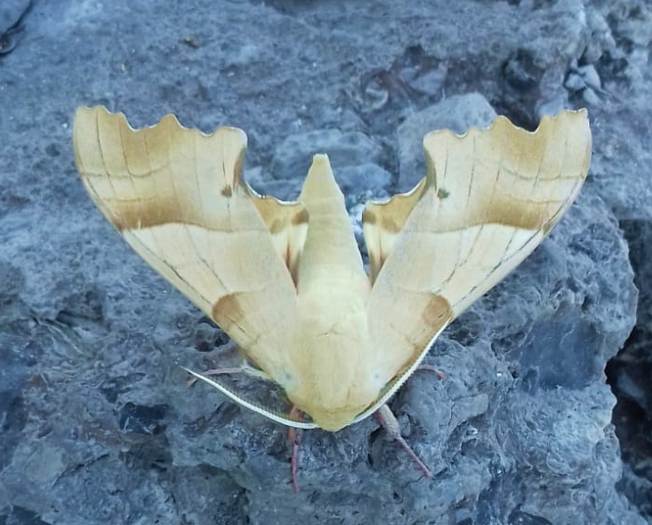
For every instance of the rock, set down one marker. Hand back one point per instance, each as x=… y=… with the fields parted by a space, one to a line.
x=358 y=180
x=590 y=76
x=575 y=82
x=366 y=179
x=585 y=79
x=283 y=189
x=601 y=39
x=620 y=166
x=590 y=97
x=620 y=173
x=97 y=424
x=522 y=72
x=350 y=153
x=10 y=13
x=552 y=106
x=457 y=113
x=293 y=156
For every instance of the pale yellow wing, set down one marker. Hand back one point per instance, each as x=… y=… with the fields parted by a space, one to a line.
x=382 y=222
x=176 y=196
x=489 y=199
x=287 y=222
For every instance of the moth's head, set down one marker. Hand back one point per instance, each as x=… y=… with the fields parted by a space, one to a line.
x=331 y=387
x=333 y=420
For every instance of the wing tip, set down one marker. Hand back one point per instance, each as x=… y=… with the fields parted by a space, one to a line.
x=564 y=114
x=381 y=203
x=100 y=110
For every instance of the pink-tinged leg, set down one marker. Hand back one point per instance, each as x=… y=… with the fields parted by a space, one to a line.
x=439 y=373
x=294 y=437
x=389 y=422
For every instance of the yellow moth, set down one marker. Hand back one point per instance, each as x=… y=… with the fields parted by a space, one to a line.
x=286 y=281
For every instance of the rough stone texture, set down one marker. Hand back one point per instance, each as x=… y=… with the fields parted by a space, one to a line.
x=96 y=422
x=294 y=154
x=11 y=13
x=621 y=173
x=630 y=373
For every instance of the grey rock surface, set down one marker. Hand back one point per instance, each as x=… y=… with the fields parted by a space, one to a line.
x=621 y=173
x=97 y=424
x=11 y=12
x=294 y=154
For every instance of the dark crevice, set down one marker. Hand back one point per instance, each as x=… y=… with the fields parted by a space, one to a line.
x=629 y=373
x=414 y=80
x=21 y=516
x=9 y=35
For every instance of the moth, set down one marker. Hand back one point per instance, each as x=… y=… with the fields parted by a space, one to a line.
x=286 y=280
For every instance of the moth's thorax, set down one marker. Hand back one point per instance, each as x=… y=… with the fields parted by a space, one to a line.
x=331 y=354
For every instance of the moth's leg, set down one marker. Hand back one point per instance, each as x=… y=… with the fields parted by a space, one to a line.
x=244 y=368
x=294 y=438
x=431 y=368
x=389 y=422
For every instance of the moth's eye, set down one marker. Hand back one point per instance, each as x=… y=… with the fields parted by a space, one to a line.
x=287 y=378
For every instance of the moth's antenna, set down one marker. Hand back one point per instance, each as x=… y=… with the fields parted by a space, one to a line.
x=270 y=414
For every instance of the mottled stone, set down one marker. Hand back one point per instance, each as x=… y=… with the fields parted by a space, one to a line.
x=293 y=156
x=620 y=173
x=11 y=12
x=630 y=374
